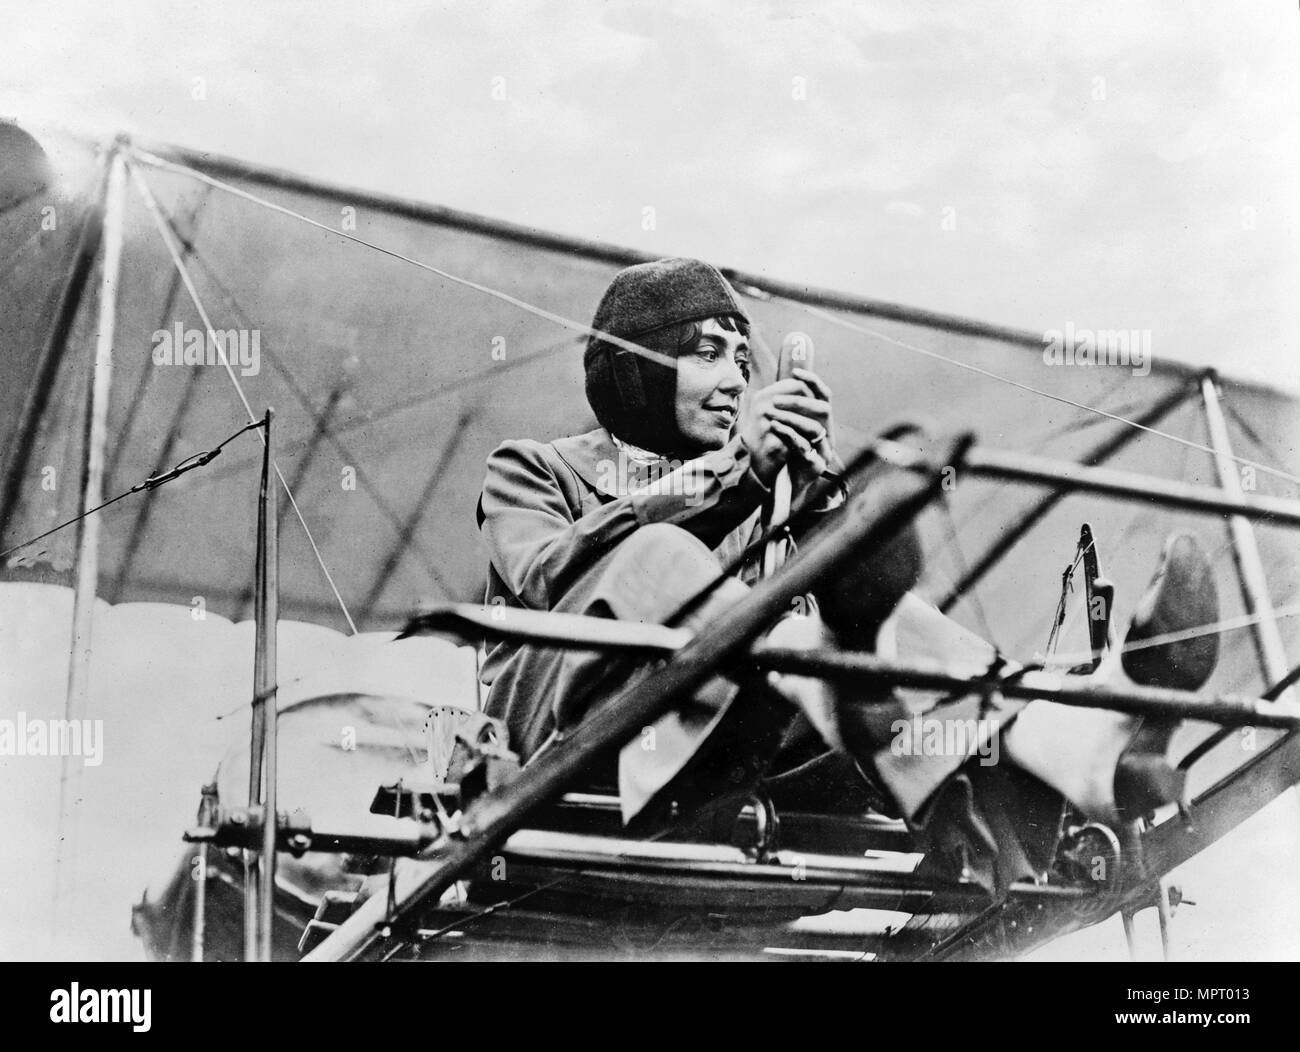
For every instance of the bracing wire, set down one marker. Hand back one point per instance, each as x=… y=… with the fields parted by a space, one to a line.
x=1214 y=628
x=196 y=460
x=877 y=335
x=156 y=212
x=487 y=290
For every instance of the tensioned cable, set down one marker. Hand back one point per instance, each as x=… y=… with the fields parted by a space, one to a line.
x=333 y=433
x=540 y=312
x=1214 y=628
x=875 y=334
x=321 y=428
x=163 y=230
x=167 y=227
x=1249 y=431
x=197 y=460
x=1252 y=437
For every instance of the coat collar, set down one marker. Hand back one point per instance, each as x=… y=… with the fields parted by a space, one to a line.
x=591 y=456
x=604 y=467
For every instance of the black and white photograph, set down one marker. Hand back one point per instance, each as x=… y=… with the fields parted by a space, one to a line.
x=616 y=481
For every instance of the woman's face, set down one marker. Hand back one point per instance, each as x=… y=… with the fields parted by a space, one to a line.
x=710 y=380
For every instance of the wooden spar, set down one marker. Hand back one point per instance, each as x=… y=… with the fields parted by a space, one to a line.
x=259 y=873
x=469 y=622
x=1228 y=709
x=1102 y=451
x=601 y=854
x=870 y=520
x=92 y=495
x=540 y=851
x=1245 y=549
x=1020 y=467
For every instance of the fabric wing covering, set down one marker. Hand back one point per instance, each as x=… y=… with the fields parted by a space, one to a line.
x=391 y=385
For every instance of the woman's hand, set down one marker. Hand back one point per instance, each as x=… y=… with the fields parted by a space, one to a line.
x=789 y=422
x=803 y=422
x=762 y=429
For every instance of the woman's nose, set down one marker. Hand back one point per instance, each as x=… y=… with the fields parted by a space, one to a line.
x=733 y=381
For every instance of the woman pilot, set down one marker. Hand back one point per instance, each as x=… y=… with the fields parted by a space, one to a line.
x=634 y=518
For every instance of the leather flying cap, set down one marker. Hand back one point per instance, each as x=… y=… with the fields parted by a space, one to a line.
x=633 y=396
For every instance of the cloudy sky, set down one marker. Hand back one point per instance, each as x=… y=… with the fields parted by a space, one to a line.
x=1111 y=164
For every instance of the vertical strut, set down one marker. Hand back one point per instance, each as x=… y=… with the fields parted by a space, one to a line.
x=1245 y=548
x=92 y=495
x=259 y=873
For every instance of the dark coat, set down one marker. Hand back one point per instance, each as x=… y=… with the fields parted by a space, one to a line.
x=555 y=518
